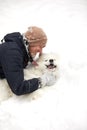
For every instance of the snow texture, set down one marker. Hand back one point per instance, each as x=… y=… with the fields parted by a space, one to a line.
x=64 y=105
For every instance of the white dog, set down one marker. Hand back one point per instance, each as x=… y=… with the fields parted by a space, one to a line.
x=48 y=66
x=47 y=63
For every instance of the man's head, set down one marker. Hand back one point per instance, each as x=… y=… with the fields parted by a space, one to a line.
x=36 y=38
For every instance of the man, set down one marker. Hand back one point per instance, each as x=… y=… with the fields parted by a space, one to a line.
x=16 y=51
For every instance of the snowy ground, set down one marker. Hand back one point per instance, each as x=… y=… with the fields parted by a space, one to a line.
x=64 y=105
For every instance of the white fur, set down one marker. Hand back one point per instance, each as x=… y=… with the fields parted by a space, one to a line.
x=44 y=60
x=30 y=72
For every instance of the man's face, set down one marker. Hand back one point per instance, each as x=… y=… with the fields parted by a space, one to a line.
x=35 y=49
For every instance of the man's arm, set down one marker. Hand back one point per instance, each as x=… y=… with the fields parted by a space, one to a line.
x=12 y=63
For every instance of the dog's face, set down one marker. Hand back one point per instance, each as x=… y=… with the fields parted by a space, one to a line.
x=48 y=62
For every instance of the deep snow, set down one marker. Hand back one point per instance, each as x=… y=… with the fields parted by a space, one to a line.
x=64 y=105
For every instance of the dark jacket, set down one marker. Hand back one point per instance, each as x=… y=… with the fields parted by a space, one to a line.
x=13 y=59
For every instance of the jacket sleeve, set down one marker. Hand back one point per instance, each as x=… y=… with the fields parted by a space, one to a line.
x=12 y=63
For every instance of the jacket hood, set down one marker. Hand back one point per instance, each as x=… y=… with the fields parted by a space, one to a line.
x=17 y=38
x=12 y=37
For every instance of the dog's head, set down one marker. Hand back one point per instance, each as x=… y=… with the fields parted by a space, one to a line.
x=48 y=62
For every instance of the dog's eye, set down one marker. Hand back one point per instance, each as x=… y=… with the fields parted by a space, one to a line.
x=46 y=60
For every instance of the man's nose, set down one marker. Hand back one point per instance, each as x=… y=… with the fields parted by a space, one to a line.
x=40 y=51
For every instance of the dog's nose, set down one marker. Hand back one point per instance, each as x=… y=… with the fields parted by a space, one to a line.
x=51 y=60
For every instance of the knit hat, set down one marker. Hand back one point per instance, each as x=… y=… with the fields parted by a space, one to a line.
x=35 y=36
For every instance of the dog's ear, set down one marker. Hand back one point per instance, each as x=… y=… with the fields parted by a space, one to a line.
x=41 y=59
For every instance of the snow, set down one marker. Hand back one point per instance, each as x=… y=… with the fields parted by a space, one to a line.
x=64 y=105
